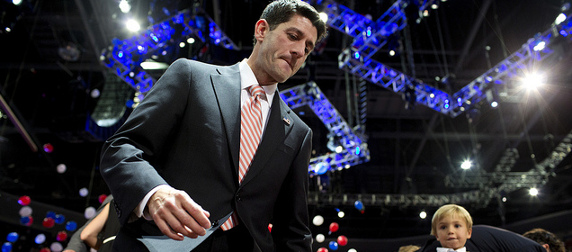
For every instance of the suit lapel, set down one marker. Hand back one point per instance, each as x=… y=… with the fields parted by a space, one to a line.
x=279 y=126
x=227 y=90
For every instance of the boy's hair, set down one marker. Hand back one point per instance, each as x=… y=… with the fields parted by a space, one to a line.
x=281 y=11
x=543 y=236
x=450 y=210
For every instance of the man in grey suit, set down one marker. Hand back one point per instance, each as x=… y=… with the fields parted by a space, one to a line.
x=173 y=167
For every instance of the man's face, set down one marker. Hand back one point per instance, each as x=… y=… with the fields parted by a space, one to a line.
x=284 y=49
x=452 y=232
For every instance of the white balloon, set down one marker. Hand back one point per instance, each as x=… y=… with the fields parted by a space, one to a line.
x=352 y=250
x=320 y=238
x=318 y=220
x=61 y=168
x=89 y=212
x=83 y=192
x=56 y=247
x=41 y=238
x=25 y=211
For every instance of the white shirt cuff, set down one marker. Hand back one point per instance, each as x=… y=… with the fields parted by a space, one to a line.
x=139 y=210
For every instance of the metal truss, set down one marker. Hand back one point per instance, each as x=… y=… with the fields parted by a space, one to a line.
x=370 y=36
x=481 y=187
x=124 y=57
x=353 y=149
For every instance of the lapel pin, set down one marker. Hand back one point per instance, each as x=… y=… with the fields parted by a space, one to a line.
x=286 y=120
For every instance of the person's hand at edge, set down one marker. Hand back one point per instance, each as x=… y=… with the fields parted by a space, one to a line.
x=177 y=215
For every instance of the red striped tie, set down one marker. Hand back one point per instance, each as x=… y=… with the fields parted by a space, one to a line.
x=250 y=134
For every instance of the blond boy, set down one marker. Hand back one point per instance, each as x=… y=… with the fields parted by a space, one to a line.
x=452 y=225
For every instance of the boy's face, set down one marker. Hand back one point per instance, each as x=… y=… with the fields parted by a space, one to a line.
x=452 y=232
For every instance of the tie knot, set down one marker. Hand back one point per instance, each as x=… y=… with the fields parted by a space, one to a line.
x=255 y=90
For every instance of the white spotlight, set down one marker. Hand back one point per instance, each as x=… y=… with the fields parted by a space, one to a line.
x=391 y=52
x=124 y=6
x=561 y=18
x=466 y=165
x=191 y=40
x=539 y=46
x=324 y=17
x=132 y=25
x=494 y=104
x=532 y=81
x=341 y=214
x=423 y=215
x=16 y=2
x=533 y=191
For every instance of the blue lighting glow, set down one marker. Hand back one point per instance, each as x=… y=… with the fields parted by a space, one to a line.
x=356 y=55
x=357 y=150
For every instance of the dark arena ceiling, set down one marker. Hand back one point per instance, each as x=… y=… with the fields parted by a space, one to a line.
x=53 y=85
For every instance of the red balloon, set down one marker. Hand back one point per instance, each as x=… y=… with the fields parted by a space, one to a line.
x=102 y=198
x=62 y=236
x=48 y=148
x=322 y=249
x=334 y=227
x=342 y=240
x=24 y=200
x=48 y=222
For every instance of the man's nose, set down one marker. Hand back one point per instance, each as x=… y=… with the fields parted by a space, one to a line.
x=298 y=50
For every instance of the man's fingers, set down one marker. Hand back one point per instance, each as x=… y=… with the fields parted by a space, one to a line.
x=166 y=230
x=177 y=215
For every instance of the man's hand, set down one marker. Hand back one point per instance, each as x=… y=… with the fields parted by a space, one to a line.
x=177 y=215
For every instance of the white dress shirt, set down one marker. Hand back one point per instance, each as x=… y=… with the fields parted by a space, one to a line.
x=440 y=249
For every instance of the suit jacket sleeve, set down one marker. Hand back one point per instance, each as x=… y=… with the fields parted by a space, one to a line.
x=128 y=156
x=291 y=221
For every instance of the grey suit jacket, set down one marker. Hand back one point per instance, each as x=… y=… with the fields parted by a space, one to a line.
x=185 y=133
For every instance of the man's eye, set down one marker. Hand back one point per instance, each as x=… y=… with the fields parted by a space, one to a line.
x=292 y=36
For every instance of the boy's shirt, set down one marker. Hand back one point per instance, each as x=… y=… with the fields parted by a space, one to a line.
x=440 y=249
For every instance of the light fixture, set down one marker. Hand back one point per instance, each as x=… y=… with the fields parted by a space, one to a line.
x=324 y=17
x=132 y=25
x=561 y=18
x=16 y=2
x=532 y=81
x=124 y=6
x=466 y=165
x=539 y=46
x=423 y=214
x=533 y=191
x=153 y=65
x=494 y=104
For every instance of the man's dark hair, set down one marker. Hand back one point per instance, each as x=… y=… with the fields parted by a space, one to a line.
x=545 y=237
x=281 y=11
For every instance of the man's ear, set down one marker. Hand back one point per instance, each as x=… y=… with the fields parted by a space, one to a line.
x=260 y=29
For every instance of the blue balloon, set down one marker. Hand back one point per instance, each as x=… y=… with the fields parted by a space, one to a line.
x=12 y=237
x=25 y=220
x=333 y=245
x=7 y=247
x=71 y=226
x=359 y=205
x=51 y=214
x=60 y=219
